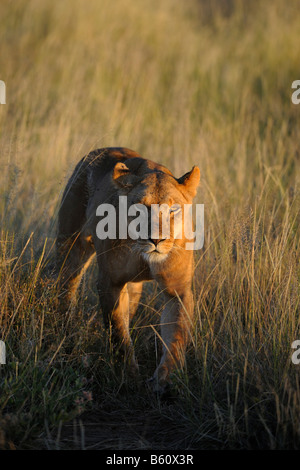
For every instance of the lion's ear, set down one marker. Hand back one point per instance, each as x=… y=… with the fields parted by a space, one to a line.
x=122 y=175
x=190 y=181
x=120 y=169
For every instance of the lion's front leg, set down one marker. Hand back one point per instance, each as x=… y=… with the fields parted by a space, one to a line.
x=114 y=301
x=176 y=323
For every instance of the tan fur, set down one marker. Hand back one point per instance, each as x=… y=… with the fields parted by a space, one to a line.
x=124 y=265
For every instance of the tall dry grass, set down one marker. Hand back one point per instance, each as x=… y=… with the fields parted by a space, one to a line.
x=182 y=83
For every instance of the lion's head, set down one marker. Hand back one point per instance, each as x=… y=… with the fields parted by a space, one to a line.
x=160 y=200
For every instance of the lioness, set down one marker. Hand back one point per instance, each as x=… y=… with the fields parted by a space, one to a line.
x=124 y=264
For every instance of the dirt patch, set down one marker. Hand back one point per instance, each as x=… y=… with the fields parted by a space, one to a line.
x=117 y=430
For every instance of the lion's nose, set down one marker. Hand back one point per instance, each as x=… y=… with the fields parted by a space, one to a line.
x=156 y=241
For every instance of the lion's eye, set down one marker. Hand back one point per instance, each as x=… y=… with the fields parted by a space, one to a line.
x=175 y=209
